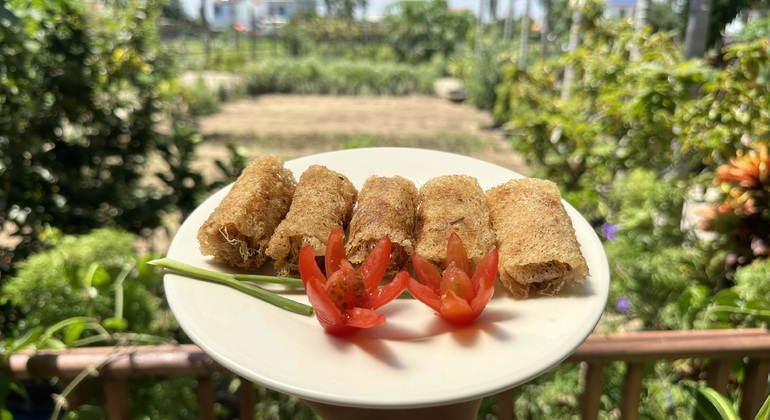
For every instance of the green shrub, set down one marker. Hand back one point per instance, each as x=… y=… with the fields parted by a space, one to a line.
x=338 y=77
x=97 y=275
x=82 y=97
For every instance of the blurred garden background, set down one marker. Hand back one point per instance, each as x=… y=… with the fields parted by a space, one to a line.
x=651 y=116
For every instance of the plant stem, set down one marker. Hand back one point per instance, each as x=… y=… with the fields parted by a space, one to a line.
x=230 y=281
x=259 y=278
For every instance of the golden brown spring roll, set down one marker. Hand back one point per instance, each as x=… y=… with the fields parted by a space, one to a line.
x=539 y=251
x=453 y=203
x=238 y=230
x=386 y=206
x=323 y=201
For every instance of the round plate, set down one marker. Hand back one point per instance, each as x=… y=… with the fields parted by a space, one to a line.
x=415 y=359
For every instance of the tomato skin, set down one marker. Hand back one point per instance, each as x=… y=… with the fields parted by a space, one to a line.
x=486 y=269
x=456 y=309
x=455 y=279
x=424 y=294
x=390 y=291
x=426 y=272
x=456 y=297
x=456 y=254
x=335 y=252
x=364 y=318
x=345 y=299
x=376 y=263
x=308 y=268
x=326 y=312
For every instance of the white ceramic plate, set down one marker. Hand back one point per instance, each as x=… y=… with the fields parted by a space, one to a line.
x=416 y=359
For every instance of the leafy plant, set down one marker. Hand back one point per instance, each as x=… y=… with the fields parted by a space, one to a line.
x=338 y=77
x=741 y=214
x=97 y=275
x=418 y=31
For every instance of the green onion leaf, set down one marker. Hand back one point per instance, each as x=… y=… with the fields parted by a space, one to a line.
x=230 y=280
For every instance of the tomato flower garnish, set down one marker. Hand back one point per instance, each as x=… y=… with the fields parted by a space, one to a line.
x=345 y=299
x=457 y=296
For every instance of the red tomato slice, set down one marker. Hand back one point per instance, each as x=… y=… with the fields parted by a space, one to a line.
x=457 y=281
x=343 y=288
x=331 y=319
x=456 y=309
x=308 y=268
x=456 y=254
x=487 y=269
x=426 y=272
x=364 y=318
x=424 y=294
x=389 y=291
x=335 y=251
x=376 y=263
x=484 y=294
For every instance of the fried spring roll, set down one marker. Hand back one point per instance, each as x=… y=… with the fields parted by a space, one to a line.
x=386 y=206
x=538 y=248
x=453 y=203
x=323 y=201
x=238 y=230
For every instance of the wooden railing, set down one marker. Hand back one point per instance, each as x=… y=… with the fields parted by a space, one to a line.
x=719 y=348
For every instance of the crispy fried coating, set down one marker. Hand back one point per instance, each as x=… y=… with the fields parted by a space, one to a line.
x=238 y=230
x=537 y=244
x=386 y=206
x=323 y=201
x=453 y=203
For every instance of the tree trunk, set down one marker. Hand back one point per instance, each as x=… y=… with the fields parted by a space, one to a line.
x=641 y=19
x=574 y=42
x=492 y=11
x=524 y=37
x=545 y=29
x=508 y=28
x=696 y=35
x=480 y=28
x=206 y=31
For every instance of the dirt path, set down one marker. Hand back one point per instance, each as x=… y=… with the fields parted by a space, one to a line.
x=297 y=125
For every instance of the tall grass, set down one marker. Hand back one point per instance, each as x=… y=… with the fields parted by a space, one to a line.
x=339 y=77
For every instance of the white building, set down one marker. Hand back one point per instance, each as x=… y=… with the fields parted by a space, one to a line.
x=619 y=8
x=243 y=14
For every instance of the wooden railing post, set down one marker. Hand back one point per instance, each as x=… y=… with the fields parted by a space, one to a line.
x=718 y=372
x=505 y=404
x=632 y=391
x=116 y=393
x=592 y=389
x=206 y=398
x=754 y=387
x=246 y=400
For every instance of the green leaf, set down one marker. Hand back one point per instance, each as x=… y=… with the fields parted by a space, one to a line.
x=100 y=277
x=53 y=329
x=87 y=412
x=115 y=324
x=28 y=338
x=711 y=405
x=764 y=411
x=73 y=332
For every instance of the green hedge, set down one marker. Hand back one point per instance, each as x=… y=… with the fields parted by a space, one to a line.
x=339 y=77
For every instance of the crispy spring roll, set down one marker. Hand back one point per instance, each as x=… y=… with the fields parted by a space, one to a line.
x=238 y=230
x=386 y=206
x=323 y=201
x=538 y=248
x=453 y=203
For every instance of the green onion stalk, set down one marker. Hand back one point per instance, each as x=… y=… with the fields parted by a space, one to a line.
x=239 y=282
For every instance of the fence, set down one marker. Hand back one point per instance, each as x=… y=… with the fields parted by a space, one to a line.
x=720 y=348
